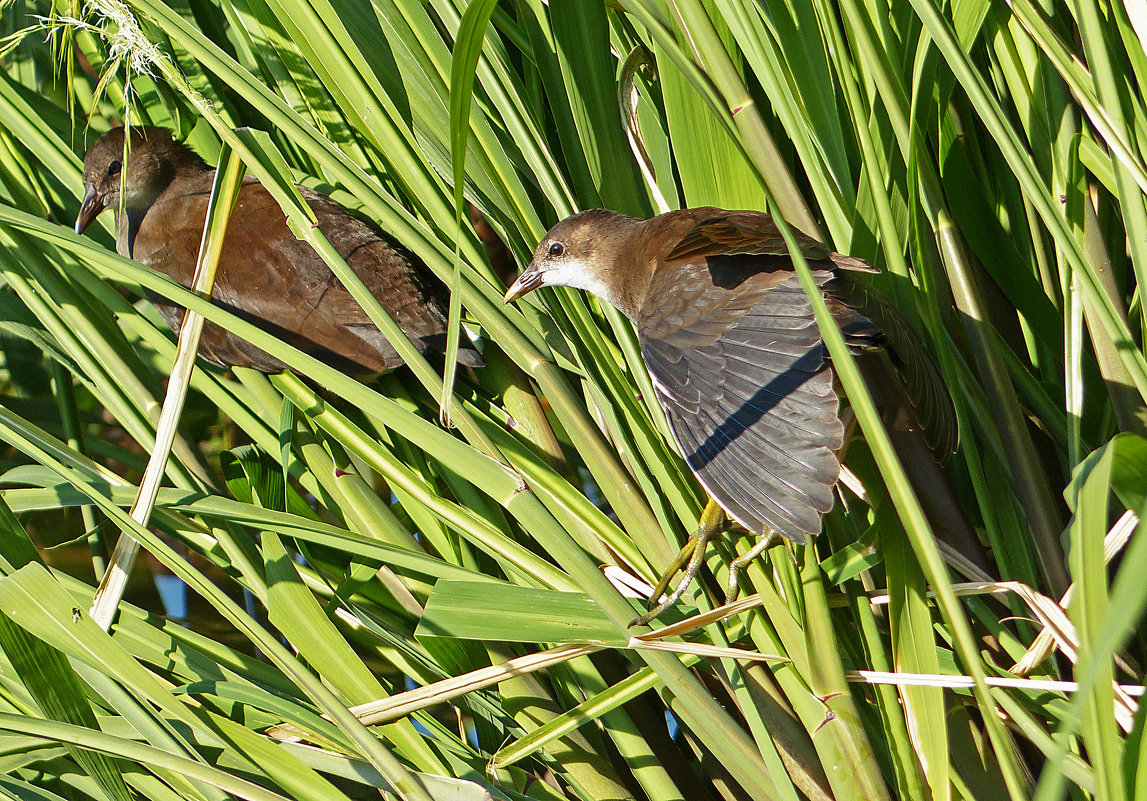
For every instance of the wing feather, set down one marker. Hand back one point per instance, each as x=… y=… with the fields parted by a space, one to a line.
x=770 y=500
x=738 y=364
x=752 y=407
x=281 y=284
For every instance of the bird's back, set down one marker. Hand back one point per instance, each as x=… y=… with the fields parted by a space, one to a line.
x=282 y=285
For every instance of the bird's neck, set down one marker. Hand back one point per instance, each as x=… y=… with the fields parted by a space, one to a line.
x=623 y=277
x=188 y=179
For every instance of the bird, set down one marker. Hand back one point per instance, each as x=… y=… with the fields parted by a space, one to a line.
x=159 y=189
x=737 y=360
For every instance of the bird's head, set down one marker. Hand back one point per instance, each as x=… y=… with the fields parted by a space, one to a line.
x=586 y=251
x=129 y=177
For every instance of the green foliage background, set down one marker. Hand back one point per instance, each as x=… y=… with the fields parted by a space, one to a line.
x=988 y=157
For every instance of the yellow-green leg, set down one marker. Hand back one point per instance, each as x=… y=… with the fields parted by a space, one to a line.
x=768 y=540
x=713 y=522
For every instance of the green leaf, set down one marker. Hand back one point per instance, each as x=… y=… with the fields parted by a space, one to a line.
x=713 y=170
x=515 y=614
x=296 y=613
x=49 y=677
x=253 y=478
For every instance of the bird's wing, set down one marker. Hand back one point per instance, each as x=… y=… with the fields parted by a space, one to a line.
x=406 y=289
x=168 y=241
x=738 y=365
x=265 y=275
x=717 y=231
x=866 y=318
x=168 y=237
x=279 y=282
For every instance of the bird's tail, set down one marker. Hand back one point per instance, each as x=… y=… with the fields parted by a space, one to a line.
x=917 y=369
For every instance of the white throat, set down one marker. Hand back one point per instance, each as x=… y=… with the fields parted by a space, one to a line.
x=576 y=274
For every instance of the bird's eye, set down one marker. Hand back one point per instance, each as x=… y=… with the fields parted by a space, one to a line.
x=114 y=167
x=556 y=250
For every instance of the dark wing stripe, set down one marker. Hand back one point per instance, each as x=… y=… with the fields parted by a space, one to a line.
x=750 y=409
x=752 y=404
x=792 y=458
x=751 y=458
x=773 y=502
x=766 y=381
x=808 y=431
x=781 y=454
x=799 y=410
x=787 y=487
x=734 y=488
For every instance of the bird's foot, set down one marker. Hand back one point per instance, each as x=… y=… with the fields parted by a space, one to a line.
x=713 y=522
x=768 y=540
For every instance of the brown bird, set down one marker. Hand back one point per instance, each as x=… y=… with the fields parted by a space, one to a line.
x=736 y=358
x=159 y=190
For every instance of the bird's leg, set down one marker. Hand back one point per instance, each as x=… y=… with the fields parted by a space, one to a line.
x=679 y=562
x=768 y=540
x=712 y=519
x=713 y=522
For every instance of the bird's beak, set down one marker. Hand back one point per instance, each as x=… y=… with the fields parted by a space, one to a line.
x=91 y=207
x=530 y=279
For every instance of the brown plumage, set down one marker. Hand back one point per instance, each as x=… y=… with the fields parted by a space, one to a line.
x=736 y=358
x=266 y=275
